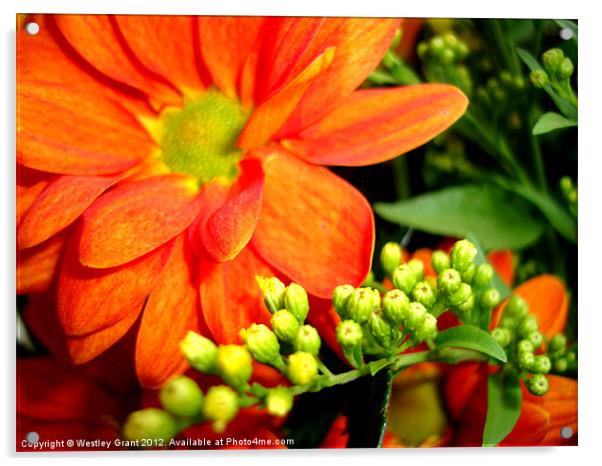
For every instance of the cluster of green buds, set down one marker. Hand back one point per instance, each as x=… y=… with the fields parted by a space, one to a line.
x=518 y=333
x=569 y=191
x=556 y=72
x=498 y=88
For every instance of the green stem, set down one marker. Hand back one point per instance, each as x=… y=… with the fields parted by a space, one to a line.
x=540 y=172
x=505 y=47
x=323 y=368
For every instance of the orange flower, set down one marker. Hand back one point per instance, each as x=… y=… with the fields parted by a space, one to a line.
x=163 y=162
x=542 y=417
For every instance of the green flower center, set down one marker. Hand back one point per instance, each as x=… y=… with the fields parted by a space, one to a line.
x=199 y=139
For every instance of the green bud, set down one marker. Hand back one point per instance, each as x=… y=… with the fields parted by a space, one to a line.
x=541 y=365
x=302 y=368
x=518 y=82
x=508 y=322
x=428 y=329
x=538 y=384
x=447 y=56
x=506 y=78
x=285 y=325
x=437 y=45
x=460 y=295
x=150 y=423
x=526 y=360
x=349 y=334
x=525 y=346
x=527 y=326
x=422 y=50
x=234 y=364
x=462 y=50
x=539 y=78
x=296 y=301
x=307 y=339
x=404 y=278
x=279 y=401
x=517 y=307
x=440 y=261
x=490 y=298
x=552 y=59
x=424 y=294
x=200 y=352
x=566 y=68
x=449 y=281
x=571 y=359
x=181 y=396
x=450 y=39
x=416 y=315
x=483 y=275
x=465 y=307
x=468 y=274
x=273 y=292
x=380 y=328
x=261 y=343
x=340 y=298
x=536 y=338
x=417 y=268
x=395 y=306
x=502 y=336
x=361 y=304
x=390 y=257
x=561 y=365
x=557 y=343
x=221 y=406
x=462 y=255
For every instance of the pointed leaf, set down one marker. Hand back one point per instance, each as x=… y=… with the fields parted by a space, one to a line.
x=552 y=121
x=470 y=337
x=504 y=400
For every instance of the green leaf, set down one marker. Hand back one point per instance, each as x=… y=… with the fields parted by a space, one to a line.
x=504 y=400
x=569 y=25
x=470 y=337
x=552 y=121
x=496 y=219
x=563 y=105
x=376 y=366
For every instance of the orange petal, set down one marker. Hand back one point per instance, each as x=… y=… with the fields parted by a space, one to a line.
x=38 y=266
x=503 y=263
x=225 y=44
x=230 y=297
x=228 y=230
x=360 y=44
x=65 y=198
x=548 y=300
x=170 y=312
x=461 y=384
x=136 y=218
x=164 y=45
x=30 y=183
x=314 y=227
x=92 y=299
x=375 y=125
x=271 y=114
x=97 y=39
x=531 y=427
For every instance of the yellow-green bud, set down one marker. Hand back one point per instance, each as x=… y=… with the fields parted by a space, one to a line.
x=422 y=50
x=340 y=298
x=349 y=334
x=234 y=364
x=449 y=281
x=428 y=329
x=536 y=338
x=416 y=315
x=424 y=294
x=462 y=255
x=440 y=261
x=302 y=368
x=566 y=68
x=404 y=278
x=261 y=343
x=307 y=339
x=390 y=257
x=279 y=401
x=273 y=292
x=447 y=56
x=200 y=352
x=395 y=306
x=285 y=325
x=221 y=406
x=561 y=365
x=502 y=336
x=541 y=365
x=460 y=295
x=417 y=268
x=526 y=360
x=150 y=423
x=552 y=59
x=527 y=326
x=517 y=307
x=437 y=45
x=296 y=301
x=181 y=396
x=508 y=322
x=361 y=304
x=483 y=275
x=539 y=78
x=466 y=306
x=380 y=328
x=490 y=298
x=557 y=343
x=525 y=346
x=538 y=384
x=468 y=274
